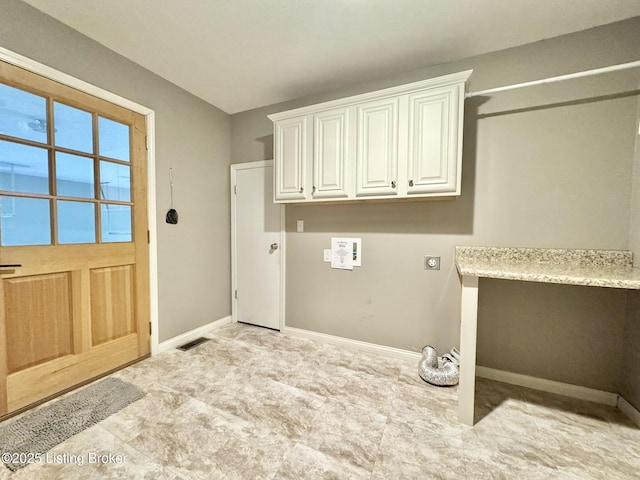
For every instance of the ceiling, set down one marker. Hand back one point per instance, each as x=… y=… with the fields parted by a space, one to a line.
x=243 y=54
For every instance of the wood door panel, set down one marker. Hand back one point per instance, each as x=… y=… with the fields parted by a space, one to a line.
x=40 y=381
x=49 y=259
x=112 y=303
x=38 y=319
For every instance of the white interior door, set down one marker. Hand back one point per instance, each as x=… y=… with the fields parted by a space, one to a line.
x=257 y=229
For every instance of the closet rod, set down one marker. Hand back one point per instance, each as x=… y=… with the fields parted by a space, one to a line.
x=587 y=73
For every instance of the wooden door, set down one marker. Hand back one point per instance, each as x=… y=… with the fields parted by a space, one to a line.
x=290 y=138
x=377 y=152
x=74 y=293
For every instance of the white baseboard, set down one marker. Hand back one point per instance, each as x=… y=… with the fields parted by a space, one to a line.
x=629 y=410
x=192 y=334
x=551 y=386
x=353 y=344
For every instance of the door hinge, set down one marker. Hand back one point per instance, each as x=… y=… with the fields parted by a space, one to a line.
x=149 y=328
x=148 y=237
x=236 y=294
x=146 y=142
x=235 y=189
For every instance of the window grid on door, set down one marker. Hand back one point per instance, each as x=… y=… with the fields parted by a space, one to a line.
x=87 y=186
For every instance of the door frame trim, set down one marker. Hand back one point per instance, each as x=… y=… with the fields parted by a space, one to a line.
x=41 y=69
x=234 y=279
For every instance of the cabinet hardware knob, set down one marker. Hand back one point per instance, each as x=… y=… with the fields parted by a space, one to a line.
x=411 y=183
x=301 y=189
x=393 y=184
x=274 y=246
x=313 y=190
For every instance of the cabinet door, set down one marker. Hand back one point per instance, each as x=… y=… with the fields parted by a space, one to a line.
x=433 y=151
x=331 y=153
x=290 y=159
x=377 y=152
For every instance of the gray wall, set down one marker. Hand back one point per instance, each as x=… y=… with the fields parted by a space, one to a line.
x=634 y=223
x=548 y=166
x=631 y=361
x=535 y=331
x=191 y=136
x=630 y=388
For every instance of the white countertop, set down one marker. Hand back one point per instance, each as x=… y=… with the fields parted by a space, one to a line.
x=597 y=268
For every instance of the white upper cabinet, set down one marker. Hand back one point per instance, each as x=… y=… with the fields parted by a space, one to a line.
x=290 y=145
x=401 y=142
x=435 y=132
x=332 y=153
x=377 y=152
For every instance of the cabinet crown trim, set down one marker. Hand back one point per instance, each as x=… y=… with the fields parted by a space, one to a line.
x=387 y=92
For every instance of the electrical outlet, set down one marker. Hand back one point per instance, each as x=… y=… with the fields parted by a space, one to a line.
x=300 y=226
x=327 y=255
x=431 y=262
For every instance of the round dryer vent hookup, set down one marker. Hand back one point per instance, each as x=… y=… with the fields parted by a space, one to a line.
x=440 y=371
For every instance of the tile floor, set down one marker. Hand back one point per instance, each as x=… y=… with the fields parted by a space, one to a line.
x=254 y=404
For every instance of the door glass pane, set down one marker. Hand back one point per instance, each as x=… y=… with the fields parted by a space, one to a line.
x=25 y=221
x=22 y=114
x=76 y=222
x=74 y=176
x=116 y=223
x=73 y=128
x=115 y=181
x=113 y=139
x=23 y=168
